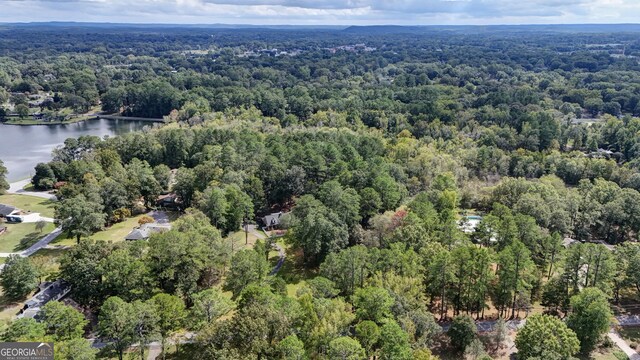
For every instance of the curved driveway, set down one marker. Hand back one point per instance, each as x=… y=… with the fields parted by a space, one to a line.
x=18 y=188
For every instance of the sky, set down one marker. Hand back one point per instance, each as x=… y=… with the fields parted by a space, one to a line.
x=325 y=12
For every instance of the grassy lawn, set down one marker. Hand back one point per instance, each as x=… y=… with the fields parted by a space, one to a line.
x=50 y=257
x=603 y=354
x=29 y=203
x=185 y=352
x=115 y=233
x=293 y=272
x=20 y=236
x=8 y=309
x=239 y=241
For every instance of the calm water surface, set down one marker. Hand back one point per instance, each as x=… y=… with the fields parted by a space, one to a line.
x=22 y=147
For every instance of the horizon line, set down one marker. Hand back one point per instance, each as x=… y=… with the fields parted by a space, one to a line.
x=308 y=25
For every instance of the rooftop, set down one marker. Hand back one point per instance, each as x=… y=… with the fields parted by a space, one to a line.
x=6 y=209
x=144 y=231
x=49 y=291
x=272 y=219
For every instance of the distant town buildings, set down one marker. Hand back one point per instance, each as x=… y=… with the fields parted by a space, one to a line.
x=352 y=48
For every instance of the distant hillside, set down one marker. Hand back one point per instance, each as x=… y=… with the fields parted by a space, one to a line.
x=72 y=24
x=570 y=28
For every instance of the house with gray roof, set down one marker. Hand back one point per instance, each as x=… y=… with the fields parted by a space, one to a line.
x=6 y=210
x=272 y=220
x=144 y=231
x=48 y=291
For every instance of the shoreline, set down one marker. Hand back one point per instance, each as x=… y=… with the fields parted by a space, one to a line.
x=76 y=121
x=40 y=123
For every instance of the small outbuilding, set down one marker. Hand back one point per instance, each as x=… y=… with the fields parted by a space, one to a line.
x=168 y=201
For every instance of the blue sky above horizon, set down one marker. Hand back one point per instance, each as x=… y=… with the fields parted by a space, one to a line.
x=325 y=12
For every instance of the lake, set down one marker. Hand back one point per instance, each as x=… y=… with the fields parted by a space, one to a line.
x=22 y=147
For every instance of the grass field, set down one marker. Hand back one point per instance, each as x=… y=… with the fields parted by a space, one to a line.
x=8 y=309
x=29 y=203
x=114 y=233
x=20 y=236
x=117 y=232
x=50 y=256
x=293 y=272
x=240 y=242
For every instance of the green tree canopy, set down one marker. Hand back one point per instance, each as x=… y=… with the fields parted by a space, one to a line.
x=544 y=337
x=590 y=317
x=462 y=332
x=372 y=303
x=345 y=348
x=18 y=278
x=62 y=321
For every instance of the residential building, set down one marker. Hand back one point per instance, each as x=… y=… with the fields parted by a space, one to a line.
x=144 y=231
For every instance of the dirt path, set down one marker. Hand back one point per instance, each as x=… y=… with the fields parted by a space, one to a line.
x=281 y=255
x=254 y=231
x=622 y=344
x=154 y=352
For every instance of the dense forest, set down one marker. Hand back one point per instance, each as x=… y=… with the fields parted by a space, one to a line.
x=379 y=145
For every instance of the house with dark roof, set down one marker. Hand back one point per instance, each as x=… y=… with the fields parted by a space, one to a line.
x=6 y=210
x=48 y=291
x=272 y=221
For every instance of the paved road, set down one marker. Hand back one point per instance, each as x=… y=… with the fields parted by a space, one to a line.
x=631 y=353
x=628 y=320
x=254 y=231
x=160 y=217
x=488 y=325
x=154 y=352
x=185 y=338
x=35 y=217
x=37 y=246
x=18 y=188
x=42 y=242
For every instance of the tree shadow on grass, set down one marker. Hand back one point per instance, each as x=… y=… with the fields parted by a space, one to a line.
x=293 y=270
x=5 y=302
x=184 y=352
x=108 y=352
x=49 y=203
x=28 y=240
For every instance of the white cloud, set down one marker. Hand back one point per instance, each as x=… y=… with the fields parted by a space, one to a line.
x=344 y=12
